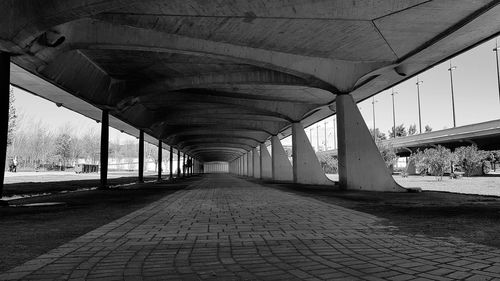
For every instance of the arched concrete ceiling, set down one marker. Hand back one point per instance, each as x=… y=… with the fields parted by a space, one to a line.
x=215 y=78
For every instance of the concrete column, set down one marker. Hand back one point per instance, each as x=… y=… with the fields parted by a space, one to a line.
x=104 y=148
x=361 y=166
x=306 y=166
x=250 y=164
x=178 y=163
x=281 y=168
x=266 y=171
x=141 y=156
x=184 y=164
x=171 y=160
x=256 y=163
x=4 y=125
x=245 y=164
x=159 y=159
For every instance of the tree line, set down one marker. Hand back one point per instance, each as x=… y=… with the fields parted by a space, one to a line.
x=34 y=145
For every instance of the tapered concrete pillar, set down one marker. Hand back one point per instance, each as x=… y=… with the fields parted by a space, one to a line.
x=171 y=160
x=306 y=166
x=256 y=163
x=281 y=167
x=266 y=171
x=104 y=148
x=159 y=160
x=141 y=156
x=361 y=166
x=4 y=119
x=178 y=163
x=250 y=164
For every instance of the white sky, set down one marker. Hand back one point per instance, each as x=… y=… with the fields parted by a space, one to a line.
x=475 y=87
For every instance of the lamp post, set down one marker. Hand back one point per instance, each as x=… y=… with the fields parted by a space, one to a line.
x=326 y=146
x=419 y=82
x=317 y=137
x=452 y=93
x=334 y=134
x=374 y=128
x=311 y=135
x=393 y=113
x=498 y=69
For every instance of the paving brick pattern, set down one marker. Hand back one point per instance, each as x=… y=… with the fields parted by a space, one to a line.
x=225 y=228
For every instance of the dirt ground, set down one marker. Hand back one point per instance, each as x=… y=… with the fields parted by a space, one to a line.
x=471 y=218
x=27 y=232
x=28 y=187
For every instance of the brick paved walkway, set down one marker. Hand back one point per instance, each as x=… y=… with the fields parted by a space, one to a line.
x=225 y=228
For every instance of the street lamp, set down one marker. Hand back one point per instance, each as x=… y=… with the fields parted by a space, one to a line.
x=452 y=94
x=419 y=82
x=326 y=144
x=334 y=134
x=317 y=137
x=374 y=130
x=393 y=113
x=498 y=70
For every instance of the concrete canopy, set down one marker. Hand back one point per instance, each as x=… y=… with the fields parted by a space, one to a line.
x=216 y=78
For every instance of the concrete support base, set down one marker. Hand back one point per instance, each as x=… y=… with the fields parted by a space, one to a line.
x=266 y=171
x=281 y=167
x=361 y=166
x=256 y=163
x=306 y=166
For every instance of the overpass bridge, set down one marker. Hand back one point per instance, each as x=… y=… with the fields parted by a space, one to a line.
x=216 y=80
x=485 y=135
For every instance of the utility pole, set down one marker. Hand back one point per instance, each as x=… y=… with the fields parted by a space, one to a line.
x=317 y=137
x=374 y=127
x=419 y=82
x=311 y=135
x=334 y=134
x=326 y=146
x=452 y=93
x=498 y=69
x=393 y=113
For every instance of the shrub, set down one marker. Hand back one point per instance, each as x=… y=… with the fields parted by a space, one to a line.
x=433 y=160
x=329 y=163
x=388 y=153
x=471 y=159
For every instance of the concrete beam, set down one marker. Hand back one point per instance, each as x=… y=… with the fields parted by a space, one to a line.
x=266 y=170
x=361 y=166
x=281 y=167
x=306 y=166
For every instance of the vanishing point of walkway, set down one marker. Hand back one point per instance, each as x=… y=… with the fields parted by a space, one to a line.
x=226 y=228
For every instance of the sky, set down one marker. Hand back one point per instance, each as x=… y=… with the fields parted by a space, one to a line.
x=475 y=90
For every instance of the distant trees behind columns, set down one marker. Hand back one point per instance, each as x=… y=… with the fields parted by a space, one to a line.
x=36 y=146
